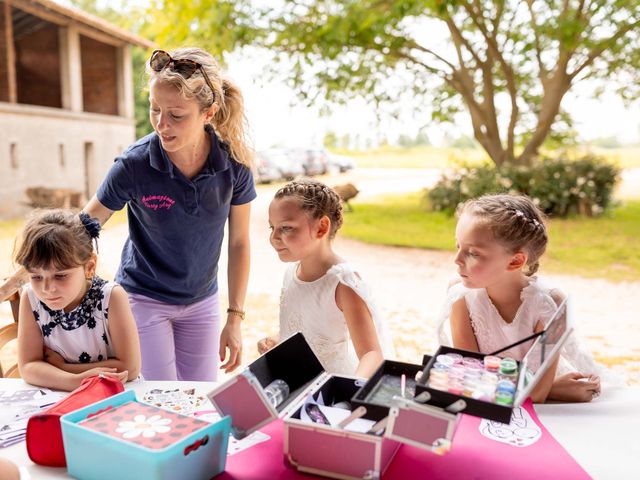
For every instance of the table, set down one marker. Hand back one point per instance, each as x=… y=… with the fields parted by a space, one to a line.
x=602 y=435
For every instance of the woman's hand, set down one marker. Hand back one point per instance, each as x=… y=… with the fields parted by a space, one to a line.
x=575 y=387
x=266 y=344
x=231 y=338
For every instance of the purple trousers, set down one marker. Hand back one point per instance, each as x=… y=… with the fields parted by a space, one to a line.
x=178 y=342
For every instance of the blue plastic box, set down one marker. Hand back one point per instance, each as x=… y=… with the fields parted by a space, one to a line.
x=93 y=455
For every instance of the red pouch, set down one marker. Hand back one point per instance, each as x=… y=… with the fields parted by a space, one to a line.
x=44 y=433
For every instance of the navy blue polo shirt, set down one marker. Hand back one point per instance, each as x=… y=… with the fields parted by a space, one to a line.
x=176 y=225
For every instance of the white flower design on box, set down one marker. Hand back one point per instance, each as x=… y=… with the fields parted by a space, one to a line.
x=141 y=425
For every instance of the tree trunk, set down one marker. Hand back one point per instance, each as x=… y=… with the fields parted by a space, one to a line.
x=555 y=90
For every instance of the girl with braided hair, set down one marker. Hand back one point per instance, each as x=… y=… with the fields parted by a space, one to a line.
x=322 y=296
x=72 y=324
x=498 y=300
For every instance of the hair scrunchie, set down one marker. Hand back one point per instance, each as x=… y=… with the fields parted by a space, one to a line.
x=91 y=225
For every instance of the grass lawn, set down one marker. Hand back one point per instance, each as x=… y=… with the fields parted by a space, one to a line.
x=416 y=157
x=604 y=247
x=433 y=157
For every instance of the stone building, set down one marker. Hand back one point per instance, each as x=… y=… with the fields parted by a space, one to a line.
x=66 y=99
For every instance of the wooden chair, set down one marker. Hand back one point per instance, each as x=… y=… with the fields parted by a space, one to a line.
x=8 y=333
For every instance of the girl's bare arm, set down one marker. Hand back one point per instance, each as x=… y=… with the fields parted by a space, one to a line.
x=462 y=333
x=124 y=337
x=33 y=368
x=361 y=329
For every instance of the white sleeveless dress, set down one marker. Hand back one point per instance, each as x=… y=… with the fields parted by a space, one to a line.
x=310 y=307
x=493 y=333
x=81 y=335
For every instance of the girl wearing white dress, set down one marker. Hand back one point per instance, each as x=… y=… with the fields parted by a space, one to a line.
x=498 y=301
x=72 y=324
x=322 y=296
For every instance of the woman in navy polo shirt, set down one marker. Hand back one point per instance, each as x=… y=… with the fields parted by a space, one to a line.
x=181 y=184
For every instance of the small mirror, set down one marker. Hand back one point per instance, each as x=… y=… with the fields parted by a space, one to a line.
x=543 y=352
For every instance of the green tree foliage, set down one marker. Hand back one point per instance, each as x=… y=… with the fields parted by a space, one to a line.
x=141 y=95
x=508 y=63
x=407 y=141
x=330 y=140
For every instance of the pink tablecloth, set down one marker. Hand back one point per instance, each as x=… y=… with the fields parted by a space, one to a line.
x=472 y=456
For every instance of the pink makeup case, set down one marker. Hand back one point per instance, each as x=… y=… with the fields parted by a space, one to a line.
x=332 y=451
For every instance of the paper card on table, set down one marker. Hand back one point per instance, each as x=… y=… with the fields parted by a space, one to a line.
x=176 y=400
x=522 y=431
x=236 y=446
x=16 y=406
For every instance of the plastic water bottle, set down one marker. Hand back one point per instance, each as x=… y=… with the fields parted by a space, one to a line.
x=277 y=391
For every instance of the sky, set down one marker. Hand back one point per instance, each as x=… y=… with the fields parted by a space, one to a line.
x=278 y=118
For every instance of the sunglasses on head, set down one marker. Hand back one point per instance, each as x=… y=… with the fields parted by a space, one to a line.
x=185 y=67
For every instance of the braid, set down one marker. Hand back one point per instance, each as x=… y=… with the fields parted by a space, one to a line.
x=317 y=199
x=526 y=221
x=516 y=223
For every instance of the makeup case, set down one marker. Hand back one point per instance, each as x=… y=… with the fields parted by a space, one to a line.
x=308 y=447
x=331 y=450
x=409 y=419
x=243 y=396
x=540 y=356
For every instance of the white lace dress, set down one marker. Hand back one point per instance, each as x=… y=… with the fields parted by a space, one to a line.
x=310 y=307
x=493 y=333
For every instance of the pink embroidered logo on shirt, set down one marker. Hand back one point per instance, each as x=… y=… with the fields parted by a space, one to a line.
x=157 y=202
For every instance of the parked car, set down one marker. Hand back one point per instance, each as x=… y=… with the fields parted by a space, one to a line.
x=266 y=170
x=314 y=161
x=288 y=166
x=341 y=163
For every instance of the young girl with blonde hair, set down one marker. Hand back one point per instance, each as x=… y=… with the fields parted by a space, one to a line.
x=499 y=300
x=322 y=296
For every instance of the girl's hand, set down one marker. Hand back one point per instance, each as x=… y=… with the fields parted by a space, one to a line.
x=266 y=344
x=122 y=376
x=231 y=338
x=94 y=372
x=52 y=357
x=575 y=387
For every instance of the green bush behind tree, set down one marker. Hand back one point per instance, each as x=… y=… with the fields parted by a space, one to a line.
x=559 y=186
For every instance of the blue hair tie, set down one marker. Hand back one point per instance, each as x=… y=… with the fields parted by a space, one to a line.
x=92 y=226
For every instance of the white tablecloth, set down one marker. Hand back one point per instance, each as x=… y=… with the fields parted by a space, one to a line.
x=603 y=436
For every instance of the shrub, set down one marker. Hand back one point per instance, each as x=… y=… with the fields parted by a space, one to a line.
x=559 y=186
